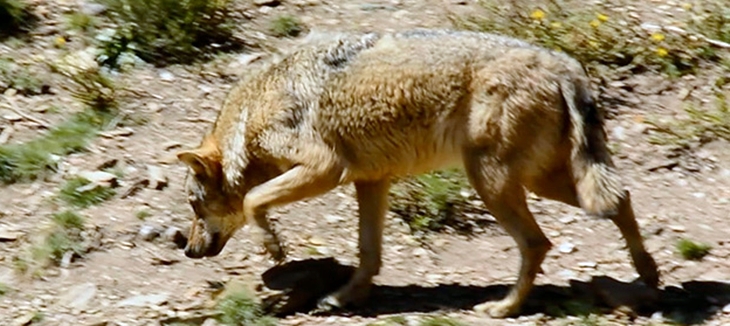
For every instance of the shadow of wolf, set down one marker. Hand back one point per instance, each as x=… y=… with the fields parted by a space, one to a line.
x=365 y=108
x=294 y=287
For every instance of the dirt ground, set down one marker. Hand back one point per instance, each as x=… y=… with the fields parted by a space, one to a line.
x=128 y=280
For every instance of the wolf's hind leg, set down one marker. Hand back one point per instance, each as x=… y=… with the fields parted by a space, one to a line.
x=506 y=199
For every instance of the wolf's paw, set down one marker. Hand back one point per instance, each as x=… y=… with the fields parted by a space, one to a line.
x=647 y=268
x=498 y=309
x=274 y=248
x=329 y=303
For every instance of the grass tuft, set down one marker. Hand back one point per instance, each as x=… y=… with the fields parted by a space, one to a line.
x=691 y=250
x=239 y=308
x=440 y=321
x=286 y=26
x=74 y=194
x=36 y=158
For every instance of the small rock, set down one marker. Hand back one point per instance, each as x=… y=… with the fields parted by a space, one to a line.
x=567 y=219
x=158 y=180
x=79 y=296
x=726 y=309
x=12 y=117
x=174 y=235
x=67 y=259
x=567 y=274
x=92 y=8
x=270 y=3
x=145 y=300
x=121 y=132
x=683 y=93
x=99 y=177
x=171 y=145
x=619 y=133
x=677 y=228
x=7 y=235
x=566 y=247
x=330 y=218
x=148 y=232
x=587 y=264
x=317 y=241
x=166 y=76
x=24 y=320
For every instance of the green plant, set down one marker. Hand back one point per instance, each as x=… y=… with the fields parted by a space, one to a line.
x=440 y=321
x=286 y=25
x=55 y=245
x=68 y=220
x=701 y=125
x=33 y=159
x=4 y=289
x=143 y=214
x=80 y=21
x=691 y=250
x=239 y=308
x=14 y=16
x=71 y=193
x=592 y=36
x=433 y=201
x=169 y=31
x=20 y=78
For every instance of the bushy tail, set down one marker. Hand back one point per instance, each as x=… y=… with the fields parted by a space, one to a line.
x=598 y=185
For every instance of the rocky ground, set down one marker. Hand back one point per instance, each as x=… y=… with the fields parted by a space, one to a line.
x=135 y=275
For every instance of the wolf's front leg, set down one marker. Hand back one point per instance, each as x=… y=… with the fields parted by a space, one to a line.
x=300 y=182
x=372 y=200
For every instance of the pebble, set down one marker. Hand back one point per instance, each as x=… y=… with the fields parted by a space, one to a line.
x=566 y=247
x=145 y=300
x=79 y=296
x=148 y=232
x=174 y=235
x=166 y=76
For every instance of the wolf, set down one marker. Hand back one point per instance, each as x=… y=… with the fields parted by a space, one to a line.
x=364 y=108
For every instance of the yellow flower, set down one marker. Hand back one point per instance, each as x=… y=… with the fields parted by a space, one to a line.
x=662 y=52
x=537 y=14
x=658 y=37
x=687 y=6
x=60 y=41
x=556 y=24
x=595 y=23
x=602 y=17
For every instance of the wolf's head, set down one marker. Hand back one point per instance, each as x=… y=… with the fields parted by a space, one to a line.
x=218 y=212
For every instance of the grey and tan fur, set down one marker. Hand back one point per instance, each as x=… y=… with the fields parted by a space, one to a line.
x=364 y=108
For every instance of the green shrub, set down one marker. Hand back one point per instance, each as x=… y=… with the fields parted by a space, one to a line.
x=169 y=31
x=433 y=202
x=15 y=16
x=593 y=36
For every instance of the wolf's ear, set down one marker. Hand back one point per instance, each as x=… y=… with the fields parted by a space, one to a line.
x=202 y=160
x=195 y=161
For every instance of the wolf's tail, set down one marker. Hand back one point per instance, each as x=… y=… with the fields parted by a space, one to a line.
x=598 y=185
